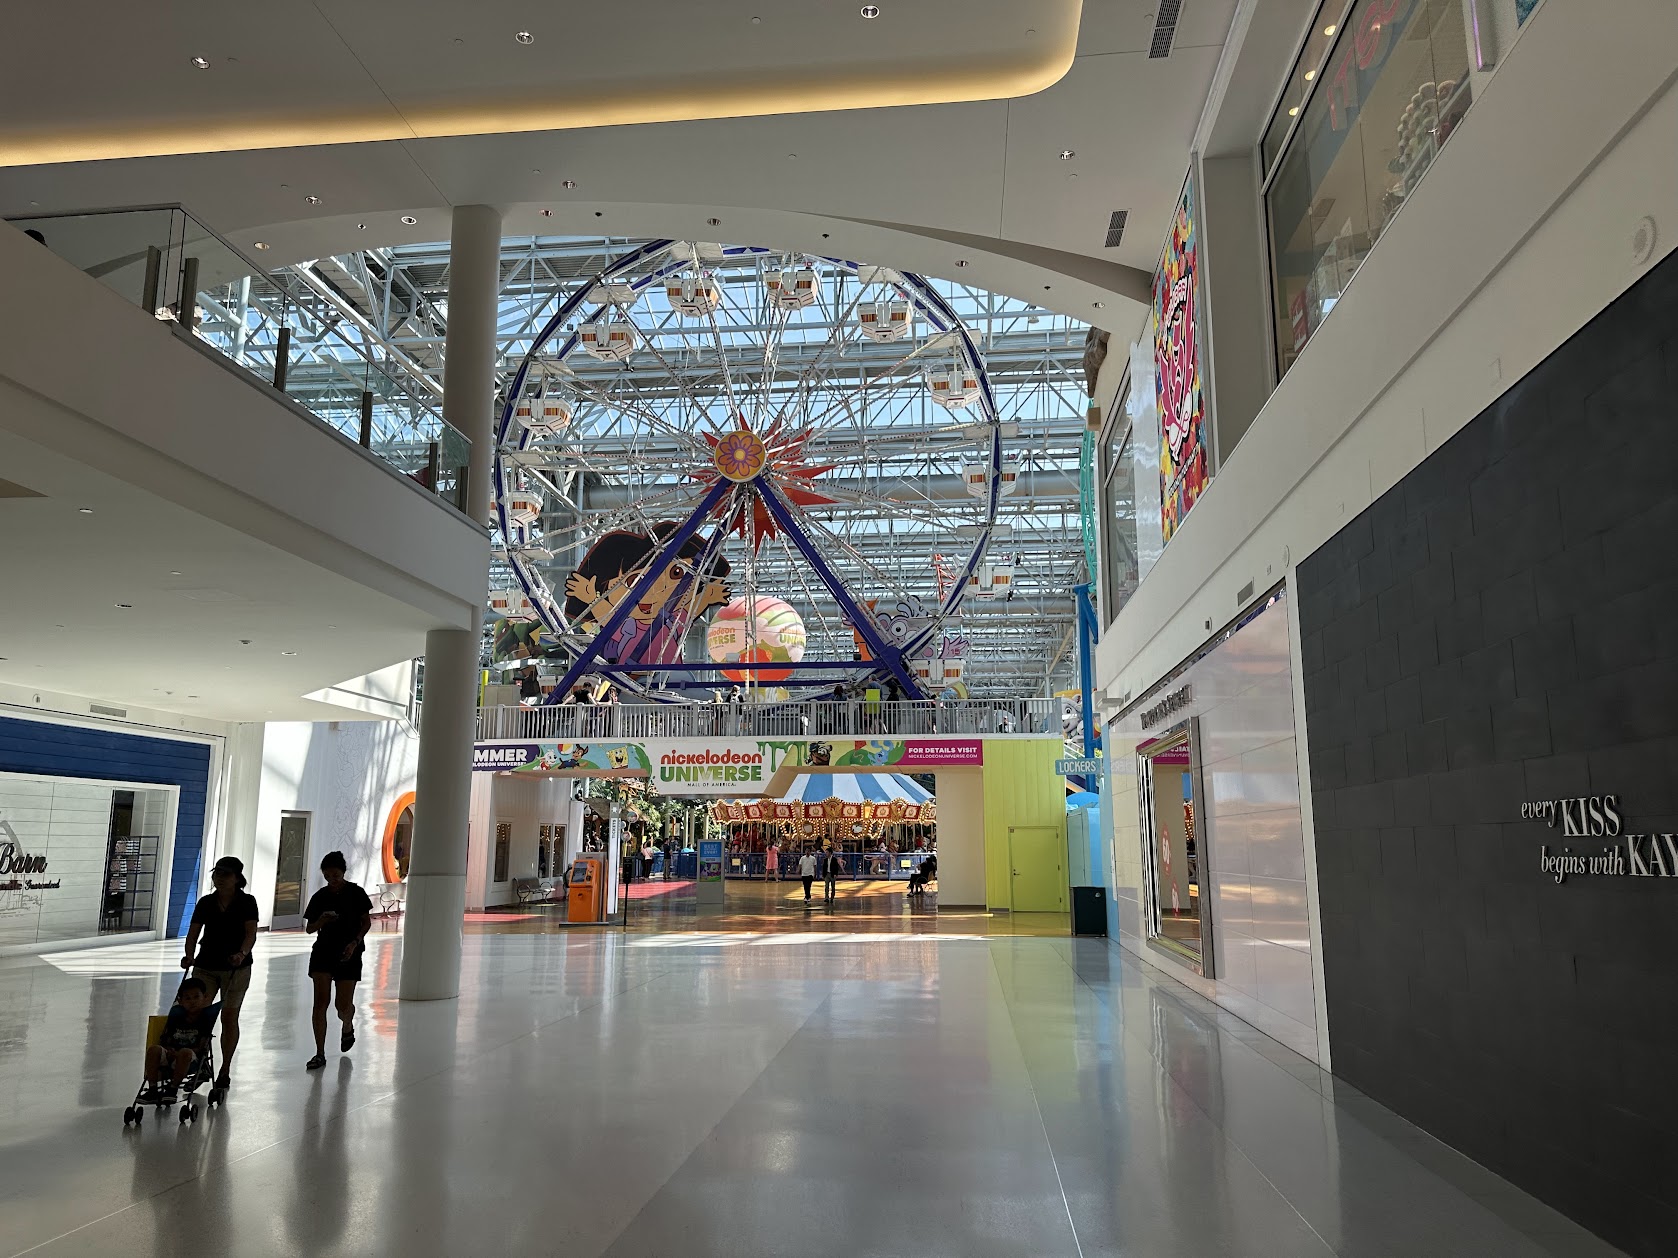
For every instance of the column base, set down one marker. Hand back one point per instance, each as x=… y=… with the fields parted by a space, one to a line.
x=431 y=937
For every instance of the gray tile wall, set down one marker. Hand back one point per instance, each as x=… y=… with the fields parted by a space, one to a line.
x=1502 y=626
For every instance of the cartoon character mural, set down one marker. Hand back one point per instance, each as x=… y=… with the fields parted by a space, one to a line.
x=608 y=573
x=1178 y=389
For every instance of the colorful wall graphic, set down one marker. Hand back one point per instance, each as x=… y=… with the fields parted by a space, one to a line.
x=717 y=766
x=1178 y=390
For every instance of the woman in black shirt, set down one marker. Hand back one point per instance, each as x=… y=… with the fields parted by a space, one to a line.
x=218 y=950
x=339 y=915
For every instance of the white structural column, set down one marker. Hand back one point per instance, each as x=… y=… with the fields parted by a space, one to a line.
x=442 y=805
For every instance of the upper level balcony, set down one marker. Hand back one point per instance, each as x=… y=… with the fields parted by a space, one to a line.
x=295 y=337
x=569 y=722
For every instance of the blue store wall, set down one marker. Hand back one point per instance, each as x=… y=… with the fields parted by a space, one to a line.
x=76 y=751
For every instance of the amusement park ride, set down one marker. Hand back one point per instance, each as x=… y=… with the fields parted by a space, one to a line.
x=748 y=450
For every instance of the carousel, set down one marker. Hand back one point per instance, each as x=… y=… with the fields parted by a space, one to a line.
x=851 y=813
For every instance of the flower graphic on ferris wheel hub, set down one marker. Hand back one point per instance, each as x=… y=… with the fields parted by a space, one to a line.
x=740 y=455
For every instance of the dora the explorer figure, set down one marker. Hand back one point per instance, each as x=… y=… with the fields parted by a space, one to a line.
x=653 y=631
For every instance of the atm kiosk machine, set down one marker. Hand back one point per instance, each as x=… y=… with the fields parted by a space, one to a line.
x=588 y=890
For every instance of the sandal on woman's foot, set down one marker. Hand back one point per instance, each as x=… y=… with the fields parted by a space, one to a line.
x=316 y=1062
x=348 y=1042
x=223 y=1082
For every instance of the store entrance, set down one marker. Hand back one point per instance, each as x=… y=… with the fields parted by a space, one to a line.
x=1178 y=910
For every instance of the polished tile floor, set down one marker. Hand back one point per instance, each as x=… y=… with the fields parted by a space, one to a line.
x=810 y=1093
x=877 y=906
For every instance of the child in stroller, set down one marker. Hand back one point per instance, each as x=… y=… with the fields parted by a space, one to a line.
x=180 y=1054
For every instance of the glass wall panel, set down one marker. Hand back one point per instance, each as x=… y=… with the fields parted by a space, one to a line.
x=1394 y=87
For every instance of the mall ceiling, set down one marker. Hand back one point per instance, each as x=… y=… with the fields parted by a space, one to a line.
x=923 y=186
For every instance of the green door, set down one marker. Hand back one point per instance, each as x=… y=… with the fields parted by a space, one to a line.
x=1037 y=861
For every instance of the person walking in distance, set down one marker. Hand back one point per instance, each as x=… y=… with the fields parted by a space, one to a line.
x=338 y=915
x=218 y=950
x=807 y=872
x=832 y=866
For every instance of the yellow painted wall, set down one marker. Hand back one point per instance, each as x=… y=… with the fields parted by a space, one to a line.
x=1021 y=789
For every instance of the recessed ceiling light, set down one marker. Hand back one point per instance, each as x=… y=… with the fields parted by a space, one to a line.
x=1330 y=29
x=203 y=63
x=84 y=510
x=1293 y=111
x=547 y=213
x=961 y=261
x=870 y=10
x=126 y=606
x=713 y=222
x=756 y=20
x=288 y=652
x=361 y=227
x=261 y=244
x=312 y=200
x=567 y=183
x=174 y=572
x=1099 y=305
x=1309 y=75
x=409 y=219
x=1067 y=155
x=792 y=157
x=525 y=37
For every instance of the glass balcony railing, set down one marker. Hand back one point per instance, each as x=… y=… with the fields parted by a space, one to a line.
x=303 y=341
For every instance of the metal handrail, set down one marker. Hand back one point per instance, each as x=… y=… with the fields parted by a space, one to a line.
x=572 y=722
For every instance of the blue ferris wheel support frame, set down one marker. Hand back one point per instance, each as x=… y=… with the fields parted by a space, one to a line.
x=887 y=658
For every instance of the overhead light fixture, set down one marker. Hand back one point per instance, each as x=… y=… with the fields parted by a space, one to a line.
x=525 y=37
x=567 y=183
x=713 y=222
x=1309 y=75
x=1067 y=155
x=1330 y=29
x=126 y=606
x=409 y=219
x=1293 y=111
x=84 y=510
x=1099 y=305
x=547 y=213
x=870 y=11
x=312 y=199
x=361 y=227
x=261 y=244
x=288 y=652
x=203 y=63
x=961 y=261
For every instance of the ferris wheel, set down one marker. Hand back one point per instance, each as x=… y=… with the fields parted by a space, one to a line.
x=780 y=467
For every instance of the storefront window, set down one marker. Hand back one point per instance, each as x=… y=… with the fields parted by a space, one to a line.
x=1394 y=86
x=1179 y=920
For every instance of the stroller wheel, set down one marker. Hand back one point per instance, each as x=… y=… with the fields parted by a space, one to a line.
x=127 y=1116
x=187 y=1112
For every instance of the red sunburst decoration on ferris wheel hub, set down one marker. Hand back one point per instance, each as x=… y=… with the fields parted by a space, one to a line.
x=741 y=455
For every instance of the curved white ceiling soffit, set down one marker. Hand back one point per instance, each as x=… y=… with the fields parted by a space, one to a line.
x=172 y=76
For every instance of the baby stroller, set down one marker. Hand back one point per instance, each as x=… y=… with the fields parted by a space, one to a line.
x=928 y=872
x=165 y=1095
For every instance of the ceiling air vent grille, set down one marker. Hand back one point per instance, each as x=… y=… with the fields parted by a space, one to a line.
x=1115 y=228
x=101 y=709
x=1165 y=28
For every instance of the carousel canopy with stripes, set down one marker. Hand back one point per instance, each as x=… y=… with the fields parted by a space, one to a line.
x=855 y=788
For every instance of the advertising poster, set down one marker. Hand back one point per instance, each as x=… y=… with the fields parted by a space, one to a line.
x=1178 y=390
x=722 y=766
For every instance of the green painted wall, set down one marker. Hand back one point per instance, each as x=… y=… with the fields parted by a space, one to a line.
x=1021 y=789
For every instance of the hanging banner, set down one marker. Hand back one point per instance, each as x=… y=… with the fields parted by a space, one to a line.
x=1178 y=391
x=723 y=766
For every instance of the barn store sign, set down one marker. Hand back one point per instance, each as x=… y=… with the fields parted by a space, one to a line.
x=1617 y=854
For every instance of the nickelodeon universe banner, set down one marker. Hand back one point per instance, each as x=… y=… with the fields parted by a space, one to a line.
x=721 y=766
x=1178 y=393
